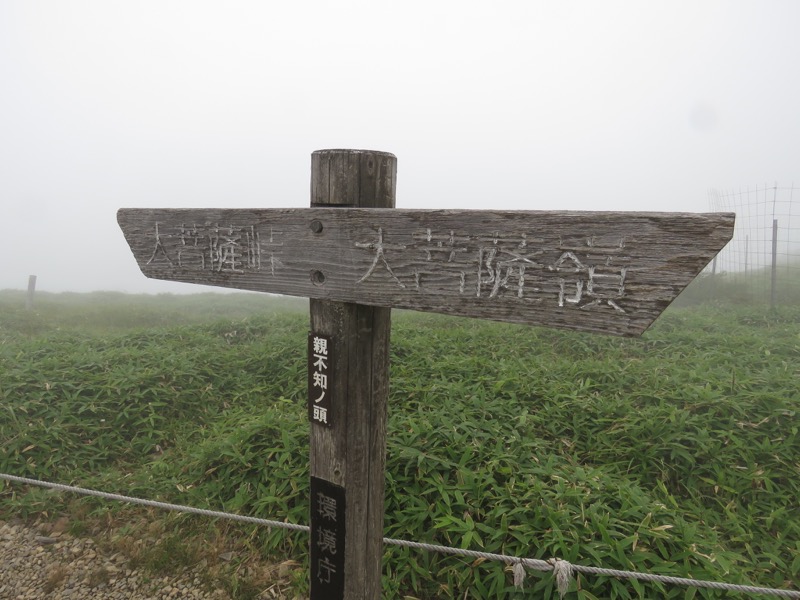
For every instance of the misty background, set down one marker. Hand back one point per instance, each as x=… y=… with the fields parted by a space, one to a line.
x=515 y=105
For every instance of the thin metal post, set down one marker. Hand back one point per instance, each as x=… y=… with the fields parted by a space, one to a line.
x=774 y=262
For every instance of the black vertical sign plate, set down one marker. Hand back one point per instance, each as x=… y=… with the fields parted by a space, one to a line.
x=327 y=540
x=320 y=383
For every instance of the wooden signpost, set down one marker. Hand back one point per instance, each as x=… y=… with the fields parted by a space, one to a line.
x=606 y=272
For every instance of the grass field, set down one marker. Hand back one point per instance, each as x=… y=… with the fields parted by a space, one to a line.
x=677 y=453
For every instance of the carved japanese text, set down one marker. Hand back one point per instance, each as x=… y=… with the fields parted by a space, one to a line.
x=584 y=273
x=220 y=248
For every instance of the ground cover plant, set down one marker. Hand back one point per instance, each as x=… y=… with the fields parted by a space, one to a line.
x=677 y=453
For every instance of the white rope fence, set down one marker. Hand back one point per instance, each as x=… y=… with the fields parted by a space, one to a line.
x=563 y=571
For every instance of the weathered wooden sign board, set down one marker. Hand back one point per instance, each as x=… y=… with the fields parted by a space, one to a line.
x=608 y=272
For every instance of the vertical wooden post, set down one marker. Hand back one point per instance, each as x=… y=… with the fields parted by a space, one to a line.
x=31 y=290
x=351 y=453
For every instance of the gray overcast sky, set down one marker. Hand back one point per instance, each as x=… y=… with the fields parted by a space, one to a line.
x=515 y=105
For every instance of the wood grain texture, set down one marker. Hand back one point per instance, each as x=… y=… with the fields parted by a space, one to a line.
x=352 y=453
x=607 y=272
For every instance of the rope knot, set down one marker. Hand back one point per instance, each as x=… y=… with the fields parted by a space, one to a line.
x=562 y=571
x=519 y=574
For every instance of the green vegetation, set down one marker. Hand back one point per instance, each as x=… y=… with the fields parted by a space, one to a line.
x=677 y=453
x=102 y=313
x=749 y=288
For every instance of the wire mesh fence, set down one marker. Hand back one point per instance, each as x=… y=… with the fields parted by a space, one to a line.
x=761 y=264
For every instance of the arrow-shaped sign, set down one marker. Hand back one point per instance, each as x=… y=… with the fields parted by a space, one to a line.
x=609 y=272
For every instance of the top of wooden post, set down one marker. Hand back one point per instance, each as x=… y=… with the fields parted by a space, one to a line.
x=356 y=178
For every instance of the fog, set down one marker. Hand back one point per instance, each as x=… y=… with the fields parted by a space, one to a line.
x=513 y=105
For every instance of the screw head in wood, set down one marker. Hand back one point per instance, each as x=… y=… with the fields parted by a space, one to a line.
x=316 y=226
x=317 y=277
